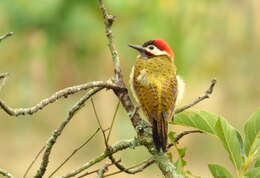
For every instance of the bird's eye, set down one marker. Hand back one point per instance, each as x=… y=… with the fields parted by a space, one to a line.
x=151 y=47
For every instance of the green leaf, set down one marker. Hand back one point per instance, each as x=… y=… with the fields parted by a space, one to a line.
x=254 y=173
x=190 y=174
x=218 y=171
x=179 y=166
x=229 y=137
x=240 y=142
x=252 y=131
x=171 y=136
x=256 y=148
x=213 y=124
x=182 y=151
x=201 y=120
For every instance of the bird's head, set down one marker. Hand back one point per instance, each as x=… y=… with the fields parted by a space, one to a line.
x=152 y=48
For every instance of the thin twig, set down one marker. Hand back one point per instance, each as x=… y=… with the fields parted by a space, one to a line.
x=33 y=161
x=120 y=166
x=52 y=140
x=107 y=129
x=113 y=120
x=74 y=152
x=141 y=166
x=99 y=122
x=108 y=21
x=3 y=77
x=181 y=135
x=121 y=94
x=6 y=36
x=101 y=171
x=113 y=160
x=206 y=95
x=62 y=93
x=95 y=171
x=124 y=144
x=136 y=168
x=6 y=174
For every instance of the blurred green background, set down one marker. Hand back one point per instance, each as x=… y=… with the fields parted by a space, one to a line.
x=60 y=43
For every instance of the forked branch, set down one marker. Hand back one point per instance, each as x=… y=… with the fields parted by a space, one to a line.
x=102 y=171
x=122 y=145
x=206 y=95
x=121 y=94
x=134 y=169
x=112 y=159
x=74 y=152
x=95 y=171
x=60 y=94
x=108 y=21
x=58 y=131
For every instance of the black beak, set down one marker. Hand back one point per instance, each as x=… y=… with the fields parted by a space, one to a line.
x=139 y=48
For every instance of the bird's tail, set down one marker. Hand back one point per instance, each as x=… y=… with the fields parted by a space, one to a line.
x=160 y=132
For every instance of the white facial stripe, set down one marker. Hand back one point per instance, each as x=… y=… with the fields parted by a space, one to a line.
x=155 y=51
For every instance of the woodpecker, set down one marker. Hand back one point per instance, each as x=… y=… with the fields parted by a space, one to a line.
x=155 y=86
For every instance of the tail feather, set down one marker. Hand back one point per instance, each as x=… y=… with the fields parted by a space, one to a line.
x=160 y=133
x=156 y=138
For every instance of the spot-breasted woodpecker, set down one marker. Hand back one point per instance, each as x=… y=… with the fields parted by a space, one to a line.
x=155 y=87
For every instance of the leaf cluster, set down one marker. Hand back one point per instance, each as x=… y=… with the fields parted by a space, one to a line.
x=243 y=151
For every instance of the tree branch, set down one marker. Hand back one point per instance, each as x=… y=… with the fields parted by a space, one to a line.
x=99 y=123
x=108 y=21
x=121 y=94
x=5 y=36
x=113 y=149
x=3 y=77
x=6 y=174
x=102 y=170
x=118 y=165
x=141 y=166
x=206 y=95
x=52 y=140
x=91 y=172
x=62 y=93
x=136 y=168
x=74 y=152
x=113 y=121
x=181 y=135
x=33 y=161
x=113 y=160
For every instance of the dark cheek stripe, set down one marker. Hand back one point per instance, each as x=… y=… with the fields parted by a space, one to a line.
x=149 y=54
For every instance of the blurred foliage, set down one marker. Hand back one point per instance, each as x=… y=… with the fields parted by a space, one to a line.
x=59 y=43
